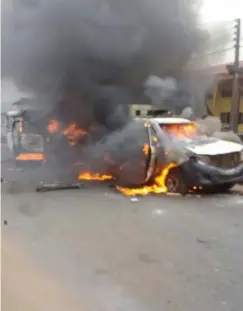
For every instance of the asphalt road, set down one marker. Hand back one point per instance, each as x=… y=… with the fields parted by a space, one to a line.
x=93 y=249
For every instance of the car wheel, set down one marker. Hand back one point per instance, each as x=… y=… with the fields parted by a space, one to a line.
x=175 y=182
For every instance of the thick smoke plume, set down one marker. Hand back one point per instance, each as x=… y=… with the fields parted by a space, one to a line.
x=95 y=55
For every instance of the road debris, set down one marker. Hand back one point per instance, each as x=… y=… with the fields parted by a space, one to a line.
x=201 y=241
x=134 y=199
x=55 y=187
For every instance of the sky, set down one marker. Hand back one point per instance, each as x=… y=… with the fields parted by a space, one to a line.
x=222 y=12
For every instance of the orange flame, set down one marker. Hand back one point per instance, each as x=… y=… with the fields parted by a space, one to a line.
x=72 y=132
x=182 y=131
x=21 y=125
x=96 y=176
x=158 y=187
x=30 y=157
x=53 y=126
x=146 y=149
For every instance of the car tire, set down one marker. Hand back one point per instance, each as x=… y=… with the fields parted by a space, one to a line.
x=175 y=182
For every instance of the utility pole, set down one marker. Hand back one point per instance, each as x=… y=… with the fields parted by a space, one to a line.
x=234 y=120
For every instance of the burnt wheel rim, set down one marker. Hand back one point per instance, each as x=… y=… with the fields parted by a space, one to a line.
x=172 y=184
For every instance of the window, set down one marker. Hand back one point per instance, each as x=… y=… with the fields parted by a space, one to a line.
x=241 y=118
x=138 y=113
x=155 y=113
x=225 y=87
x=226 y=93
x=225 y=117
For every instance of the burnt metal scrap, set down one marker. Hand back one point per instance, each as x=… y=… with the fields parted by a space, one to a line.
x=58 y=186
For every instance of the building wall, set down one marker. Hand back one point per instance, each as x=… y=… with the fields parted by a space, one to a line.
x=139 y=110
x=222 y=107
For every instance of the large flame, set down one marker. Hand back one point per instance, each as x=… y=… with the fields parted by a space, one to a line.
x=94 y=176
x=158 y=187
x=183 y=131
x=72 y=132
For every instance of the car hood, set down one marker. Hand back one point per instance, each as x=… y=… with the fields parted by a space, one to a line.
x=213 y=147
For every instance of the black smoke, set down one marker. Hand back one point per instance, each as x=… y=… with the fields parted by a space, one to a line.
x=95 y=55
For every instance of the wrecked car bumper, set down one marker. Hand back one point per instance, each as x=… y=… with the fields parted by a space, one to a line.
x=200 y=174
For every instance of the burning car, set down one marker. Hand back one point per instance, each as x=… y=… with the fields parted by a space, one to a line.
x=201 y=162
x=36 y=139
x=154 y=155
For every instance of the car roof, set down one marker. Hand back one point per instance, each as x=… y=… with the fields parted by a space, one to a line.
x=170 y=120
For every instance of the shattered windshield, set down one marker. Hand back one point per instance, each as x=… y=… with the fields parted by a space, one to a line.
x=183 y=131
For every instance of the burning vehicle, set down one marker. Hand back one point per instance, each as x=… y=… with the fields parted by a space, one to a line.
x=202 y=162
x=23 y=139
x=87 y=154
x=154 y=155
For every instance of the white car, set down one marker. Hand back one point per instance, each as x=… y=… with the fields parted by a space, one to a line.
x=203 y=162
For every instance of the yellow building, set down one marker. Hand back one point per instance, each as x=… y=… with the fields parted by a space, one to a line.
x=220 y=100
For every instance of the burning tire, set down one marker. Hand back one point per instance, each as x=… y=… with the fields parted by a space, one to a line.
x=175 y=183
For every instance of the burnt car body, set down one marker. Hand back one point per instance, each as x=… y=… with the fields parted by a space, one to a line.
x=203 y=162
x=24 y=139
x=36 y=139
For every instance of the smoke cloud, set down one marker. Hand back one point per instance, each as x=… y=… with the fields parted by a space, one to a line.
x=95 y=55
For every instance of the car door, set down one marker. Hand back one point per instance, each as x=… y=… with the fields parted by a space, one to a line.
x=160 y=143
x=129 y=151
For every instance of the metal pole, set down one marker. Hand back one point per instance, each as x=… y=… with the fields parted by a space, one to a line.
x=234 y=120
